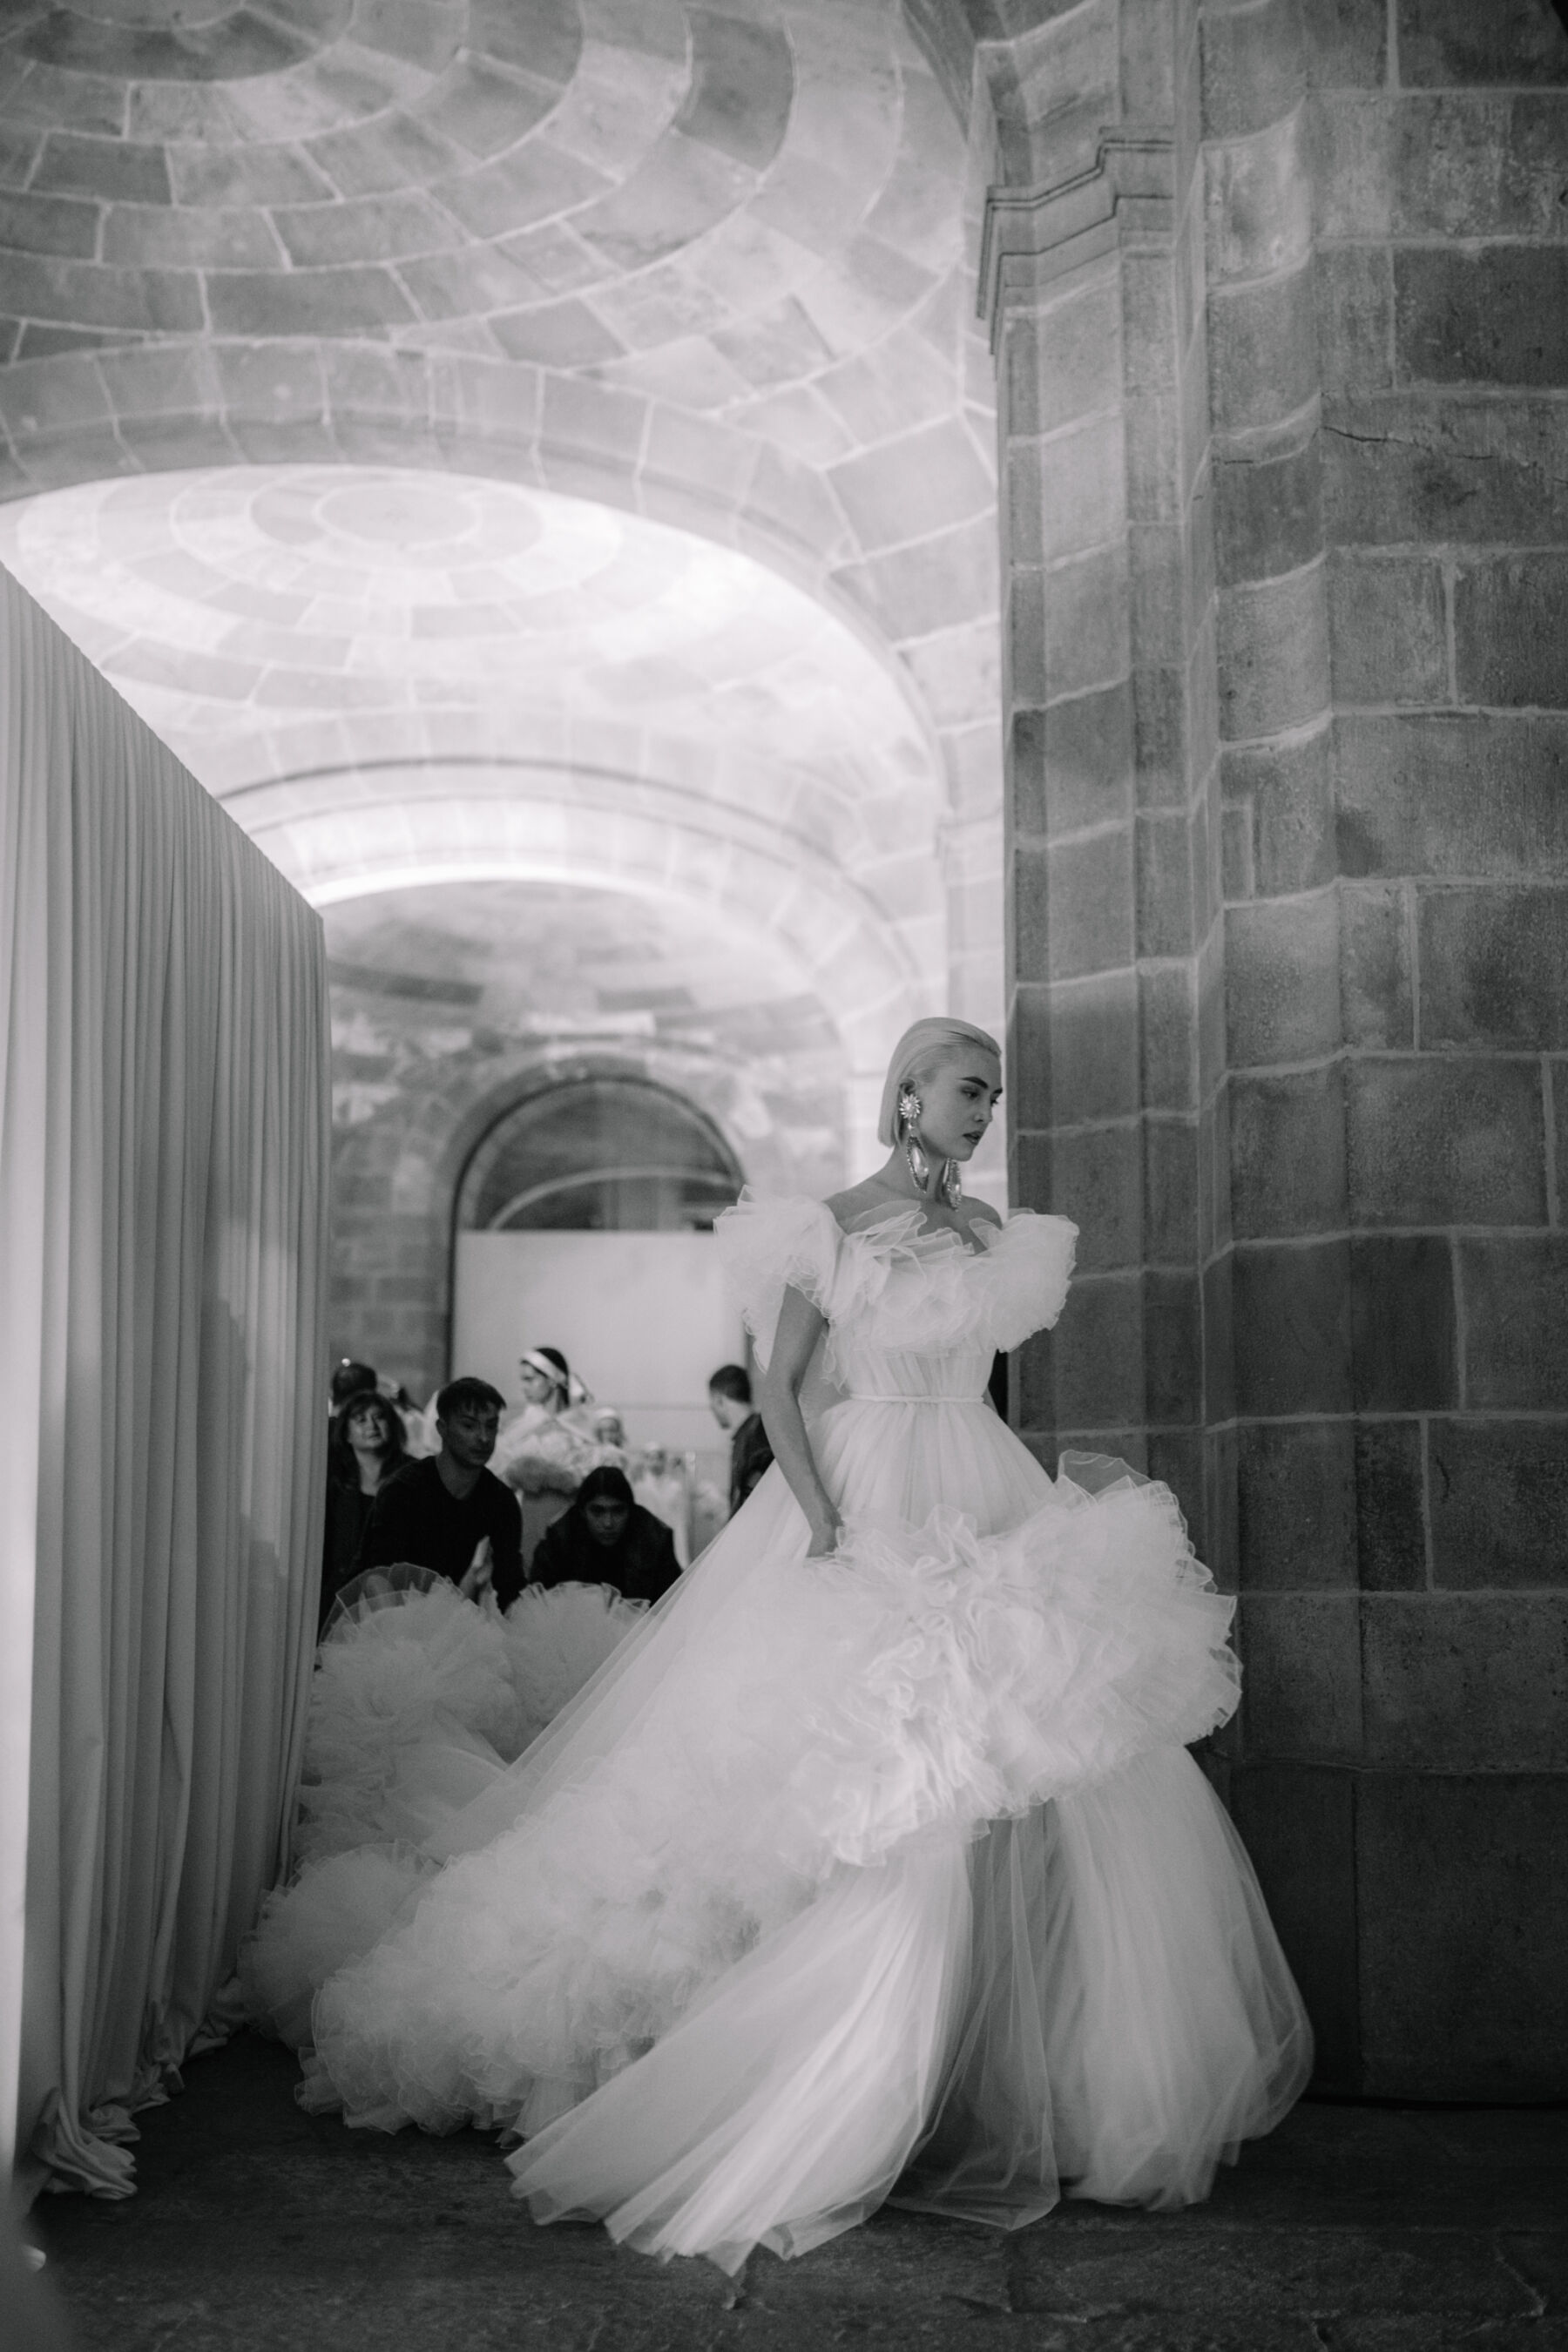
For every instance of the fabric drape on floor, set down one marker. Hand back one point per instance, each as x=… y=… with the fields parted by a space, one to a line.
x=164 y=1136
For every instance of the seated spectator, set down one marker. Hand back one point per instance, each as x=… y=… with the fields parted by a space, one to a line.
x=364 y=1450
x=607 y=1538
x=730 y=1400
x=440 y=1511
x=548 y=1449
x=349 y=1378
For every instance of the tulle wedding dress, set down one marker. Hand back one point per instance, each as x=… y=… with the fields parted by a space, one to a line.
x=885 y=1875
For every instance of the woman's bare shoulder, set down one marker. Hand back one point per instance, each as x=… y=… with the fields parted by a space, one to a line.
x=848 y=1207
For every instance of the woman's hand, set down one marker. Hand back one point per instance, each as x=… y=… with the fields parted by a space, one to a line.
x=826 y=1538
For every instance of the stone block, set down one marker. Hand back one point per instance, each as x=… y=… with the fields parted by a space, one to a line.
x=1390 y=1507
x=1297 y=1823
x=1095 y=1177
x=1164 y=889
x=87 y=294
x=1161 y=560
x=1258 y=204
x=742 y=83
x=1376 y=955
x=1464 y=795
x=306 y=302
x=1471 y=165
x=1030 y=1059
x=1060 y=362
x=1263 y=361
x=1510 y=629
x=1403 y=1338
x=1469 y=1866
x=1098 y=1354
x=1086 y=614
x=1023 y=634
x=1094 y=1056
x=1446 y=1140
x=1345 y=42
x=1273 y=652
x=1253 y=68
x=60 y=225
x=1297 y=1503
x=1173 y=1352
x=1407 y=470
x=1285 y=791
x=1499 y=1504
x=1269 y=514
x=1515 y=1295
x=1168 y=1022
x=1283 y=979
x=110 y=171
x=1353 y=289
x=1302 y=1687
x=1466 y=1682
x=1162 y=736
x=1287 y=1153
x=1444 y=42
x=1168 y=1198
x=1089 y=925
x=1387 y=629
x=1498 y=315
x=1069 y=493
x=935 y=473
x=1156 y=489
x=1293 y=1323
x=1219 y=1507
x=1083 y=773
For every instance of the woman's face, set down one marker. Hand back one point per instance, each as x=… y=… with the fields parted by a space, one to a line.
x=536 y=1389
x=367 y=1429
x=958 y=1100
x=606 y=1520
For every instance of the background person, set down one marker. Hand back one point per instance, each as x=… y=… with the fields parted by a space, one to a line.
x=367 y=1448
x=730 y=1401
x=548 y=1450
x=350 y=1379
x=437 y=1512
x=607 y=1538
x=662 y=1484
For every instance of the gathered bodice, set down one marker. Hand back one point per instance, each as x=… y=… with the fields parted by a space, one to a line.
x=912 y=1315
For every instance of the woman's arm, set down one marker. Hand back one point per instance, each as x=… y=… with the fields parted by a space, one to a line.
x=800 y=1327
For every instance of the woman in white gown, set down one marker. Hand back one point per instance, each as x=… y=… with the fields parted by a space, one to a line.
x=872 y=1863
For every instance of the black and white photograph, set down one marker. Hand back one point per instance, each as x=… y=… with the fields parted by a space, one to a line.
x=784 y=1133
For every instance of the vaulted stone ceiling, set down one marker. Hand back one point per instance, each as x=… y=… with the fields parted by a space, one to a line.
x=544 y=441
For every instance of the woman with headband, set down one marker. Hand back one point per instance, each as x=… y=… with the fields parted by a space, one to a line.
x=548 y=1450
x=872 y=1864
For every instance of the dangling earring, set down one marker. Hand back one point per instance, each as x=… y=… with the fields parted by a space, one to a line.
x=915 y=1158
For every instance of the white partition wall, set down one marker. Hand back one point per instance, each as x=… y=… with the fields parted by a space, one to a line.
x=162 y=1245
x=643 y=1318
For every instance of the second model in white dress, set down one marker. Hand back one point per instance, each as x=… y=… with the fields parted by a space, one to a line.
x=885 y=1873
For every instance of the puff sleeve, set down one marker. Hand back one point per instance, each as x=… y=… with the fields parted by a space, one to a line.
x=767 y=1246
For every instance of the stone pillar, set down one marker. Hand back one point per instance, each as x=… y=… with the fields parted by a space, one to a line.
x=1094 y=279
x=1311 y=1121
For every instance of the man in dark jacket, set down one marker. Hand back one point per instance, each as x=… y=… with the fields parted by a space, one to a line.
x=730 y=1400
x=438 y=1512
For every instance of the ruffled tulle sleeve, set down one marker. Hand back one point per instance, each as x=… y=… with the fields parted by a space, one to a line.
x=1027 y=1270
x=769 y=1246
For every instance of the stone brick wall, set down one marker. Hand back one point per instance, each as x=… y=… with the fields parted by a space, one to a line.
x=1402 y=1342
x=1287 y=920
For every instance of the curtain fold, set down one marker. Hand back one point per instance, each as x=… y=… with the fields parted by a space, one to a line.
x=163 y=1126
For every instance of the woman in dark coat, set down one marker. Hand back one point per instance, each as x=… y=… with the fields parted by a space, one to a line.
x=365 y=1448
x=607 y=1538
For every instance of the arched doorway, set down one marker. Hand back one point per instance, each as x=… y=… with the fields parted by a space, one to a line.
x=583 y=1221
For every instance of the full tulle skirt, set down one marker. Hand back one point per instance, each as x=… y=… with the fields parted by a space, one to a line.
x=880 y=1874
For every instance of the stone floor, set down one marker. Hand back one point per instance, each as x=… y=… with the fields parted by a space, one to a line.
x=1353 y=2230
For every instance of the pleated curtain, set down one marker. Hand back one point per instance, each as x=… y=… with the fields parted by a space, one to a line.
x=163 y=1130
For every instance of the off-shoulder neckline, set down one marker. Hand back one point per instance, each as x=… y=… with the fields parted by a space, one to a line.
x=906 y=1229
